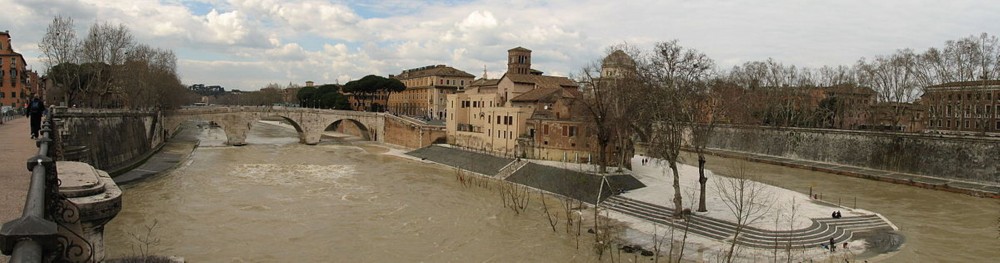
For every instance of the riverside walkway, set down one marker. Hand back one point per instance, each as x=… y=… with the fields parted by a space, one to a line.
x=15 y=149
x=820 y=232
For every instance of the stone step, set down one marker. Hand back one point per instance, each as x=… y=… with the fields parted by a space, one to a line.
x=818 y=232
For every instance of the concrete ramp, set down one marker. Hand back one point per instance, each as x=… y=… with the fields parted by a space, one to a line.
x=577 y=185
x=473 y=161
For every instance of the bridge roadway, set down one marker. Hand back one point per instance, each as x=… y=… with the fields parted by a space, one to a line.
x=236 y=121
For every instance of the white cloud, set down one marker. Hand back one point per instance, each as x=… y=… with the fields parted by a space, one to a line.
x=246 y=44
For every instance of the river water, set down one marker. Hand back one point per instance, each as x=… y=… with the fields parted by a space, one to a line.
x=938 y=226
x=276 y=200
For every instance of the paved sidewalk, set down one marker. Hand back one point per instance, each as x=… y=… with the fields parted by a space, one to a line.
x=944 y=184
x=15 y=149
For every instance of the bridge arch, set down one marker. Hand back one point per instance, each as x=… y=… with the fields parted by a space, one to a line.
x=298 y=127
x=308 y=123
x=342 y=124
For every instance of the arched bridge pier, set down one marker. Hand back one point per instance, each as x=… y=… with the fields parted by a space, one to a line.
x=236 y=121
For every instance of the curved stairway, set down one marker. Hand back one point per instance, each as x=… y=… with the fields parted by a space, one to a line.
x=820 y=232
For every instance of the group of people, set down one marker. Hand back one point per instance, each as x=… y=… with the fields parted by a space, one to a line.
x=836 y=214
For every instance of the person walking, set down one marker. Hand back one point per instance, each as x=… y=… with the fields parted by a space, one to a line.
x=35 y=110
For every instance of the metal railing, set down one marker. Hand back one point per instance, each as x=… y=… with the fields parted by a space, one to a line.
x=49 y=227
x=24 y=238
x=9 y=116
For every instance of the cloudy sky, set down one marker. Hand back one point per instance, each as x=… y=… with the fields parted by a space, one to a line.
x=245 y=44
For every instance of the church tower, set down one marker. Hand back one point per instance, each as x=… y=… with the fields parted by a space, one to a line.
x=518 y=61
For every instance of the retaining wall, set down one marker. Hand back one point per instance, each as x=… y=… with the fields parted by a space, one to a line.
x=113 y=140
x=975 y=159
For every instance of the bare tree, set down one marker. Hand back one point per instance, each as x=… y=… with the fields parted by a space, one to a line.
x=105 y=49
x=59 y=47
x=793 y=212
x=671 y=74
x=747 y=200
x=704 y=110
x=894 y=80
x=607 y=85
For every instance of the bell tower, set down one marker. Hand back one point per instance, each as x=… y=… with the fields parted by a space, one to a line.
x=518 y=61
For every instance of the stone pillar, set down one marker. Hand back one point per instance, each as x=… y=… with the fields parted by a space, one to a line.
x=96 y=196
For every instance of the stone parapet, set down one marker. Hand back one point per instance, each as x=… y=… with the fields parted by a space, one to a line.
x=95 y=196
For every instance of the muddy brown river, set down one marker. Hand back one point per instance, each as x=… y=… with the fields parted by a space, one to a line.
x=276 y=200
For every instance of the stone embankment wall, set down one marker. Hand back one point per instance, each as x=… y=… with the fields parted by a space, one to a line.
x=412 y=134
x=110 y=140
x=974 y=159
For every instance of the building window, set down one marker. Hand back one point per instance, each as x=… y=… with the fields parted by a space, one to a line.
x=966 y=124
x=545 y=130
x=572 y=131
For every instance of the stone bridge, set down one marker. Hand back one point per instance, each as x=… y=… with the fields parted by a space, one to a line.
x=309 y=123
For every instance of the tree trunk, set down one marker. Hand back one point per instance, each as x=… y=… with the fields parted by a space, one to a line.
x=701 y=180
x=678 y=207
x=602 y=157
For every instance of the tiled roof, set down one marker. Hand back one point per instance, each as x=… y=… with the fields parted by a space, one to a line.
x=537 y=95
x=519 y=49
x=618 y=59
x=484 y=82
x=973 y=83
x=438 y=70
x=547 y=94
x=542 y=81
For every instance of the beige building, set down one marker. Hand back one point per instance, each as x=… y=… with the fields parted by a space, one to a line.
x=523 y=114
x=426 y=91
x=963 y=107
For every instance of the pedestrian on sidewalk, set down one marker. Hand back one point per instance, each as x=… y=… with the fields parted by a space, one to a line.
x=833 y=245
x=36 y=108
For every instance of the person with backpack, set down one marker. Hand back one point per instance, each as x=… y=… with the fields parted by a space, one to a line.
x=35 y=110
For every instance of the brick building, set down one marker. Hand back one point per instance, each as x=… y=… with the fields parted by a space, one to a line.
x=14 y=78
x=850 y=105
x=426 y=91
x=523 y=113
x=897 y=116
x=963 y=107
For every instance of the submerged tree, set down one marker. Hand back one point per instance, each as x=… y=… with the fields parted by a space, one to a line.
x=748 y=200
